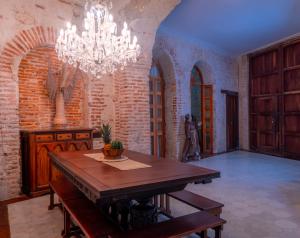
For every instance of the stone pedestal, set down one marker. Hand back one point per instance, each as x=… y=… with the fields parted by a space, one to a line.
x=60 y=120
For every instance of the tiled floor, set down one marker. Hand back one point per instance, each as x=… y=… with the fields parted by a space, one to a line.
x=31 y=219
x=261 y=196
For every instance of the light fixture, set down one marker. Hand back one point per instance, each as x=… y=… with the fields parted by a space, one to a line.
x=99 y=49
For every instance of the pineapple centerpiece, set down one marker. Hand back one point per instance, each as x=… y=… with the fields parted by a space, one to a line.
x=105 y=131
x=111 y=149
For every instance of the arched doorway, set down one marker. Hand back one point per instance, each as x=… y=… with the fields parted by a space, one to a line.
x=157 y=112
x=202 y=110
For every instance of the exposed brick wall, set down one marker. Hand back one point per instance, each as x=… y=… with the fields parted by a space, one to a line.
x=9 y=103
x=122 y=99
x=36 y=111
x=132 y=121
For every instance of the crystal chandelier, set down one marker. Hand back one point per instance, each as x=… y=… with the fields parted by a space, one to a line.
x=99 y=49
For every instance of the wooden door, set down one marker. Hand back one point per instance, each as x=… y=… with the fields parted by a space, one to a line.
x=291 y=100
x=275 y=100
x=267 y=124
x=265 y=98
x=157 y=115
x=202 y=110
x=232 y=118
x=207 y=118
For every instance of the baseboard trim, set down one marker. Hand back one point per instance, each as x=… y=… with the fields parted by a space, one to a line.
x=4 y=222
x=16 y=199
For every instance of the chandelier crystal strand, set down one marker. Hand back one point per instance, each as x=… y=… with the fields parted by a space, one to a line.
x=99 y=49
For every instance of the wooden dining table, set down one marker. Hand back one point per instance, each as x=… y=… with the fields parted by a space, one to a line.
x=101 y=181
x=113 y=186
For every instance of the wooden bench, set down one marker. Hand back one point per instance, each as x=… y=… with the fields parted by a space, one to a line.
x=94 y=224
x=83 y=212
x=89 y=219
x=198 y=202
x=197 y=222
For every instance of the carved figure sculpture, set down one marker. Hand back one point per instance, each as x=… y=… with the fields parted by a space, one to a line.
x=60 y=85
x=191 y=149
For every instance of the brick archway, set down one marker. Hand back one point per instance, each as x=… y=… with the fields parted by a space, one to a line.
x=25 y=41
x=10 y=57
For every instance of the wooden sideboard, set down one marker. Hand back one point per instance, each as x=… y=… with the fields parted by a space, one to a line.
x=35 y=145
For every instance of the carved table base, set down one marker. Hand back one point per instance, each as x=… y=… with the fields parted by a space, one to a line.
x=131 y=214
x=143 y=213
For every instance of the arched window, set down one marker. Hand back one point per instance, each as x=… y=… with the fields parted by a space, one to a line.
x=157 y=111
x=202 y=110
x=196 y=85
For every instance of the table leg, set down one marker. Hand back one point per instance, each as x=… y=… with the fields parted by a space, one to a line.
x=143 y=213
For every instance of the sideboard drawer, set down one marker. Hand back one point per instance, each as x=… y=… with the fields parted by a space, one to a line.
x=45 y=137
x=64 y=136
x=80 y=136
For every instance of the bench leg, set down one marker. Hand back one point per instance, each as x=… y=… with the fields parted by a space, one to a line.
x=218 y=232
x=67 y=225
x=202 y=234
x=155 y=200
x=168 y=209
x=204 y=181
x=51 y=204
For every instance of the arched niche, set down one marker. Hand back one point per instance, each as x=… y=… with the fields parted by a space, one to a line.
x=36 y=111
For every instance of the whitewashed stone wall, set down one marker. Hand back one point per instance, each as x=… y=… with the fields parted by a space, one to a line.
x=243 y=63
x=219 y=70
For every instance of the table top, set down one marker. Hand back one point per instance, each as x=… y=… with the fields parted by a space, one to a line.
x=102 y=181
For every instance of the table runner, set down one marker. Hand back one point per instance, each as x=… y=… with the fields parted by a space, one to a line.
x=123 y=164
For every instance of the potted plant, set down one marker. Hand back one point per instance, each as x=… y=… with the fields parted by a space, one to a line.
x=105 y=132
x=116 y=148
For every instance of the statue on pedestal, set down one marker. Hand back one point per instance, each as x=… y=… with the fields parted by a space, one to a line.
x=191 y=149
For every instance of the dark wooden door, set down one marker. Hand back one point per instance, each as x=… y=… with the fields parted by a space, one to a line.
x=275 y=100
x=265 y=90
x=267 y=124
x=291 y=100
x=232 y=122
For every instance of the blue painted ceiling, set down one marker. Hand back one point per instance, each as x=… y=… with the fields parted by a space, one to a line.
x=234 y=26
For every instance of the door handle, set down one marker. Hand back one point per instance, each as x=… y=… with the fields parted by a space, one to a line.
x=274 y=123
